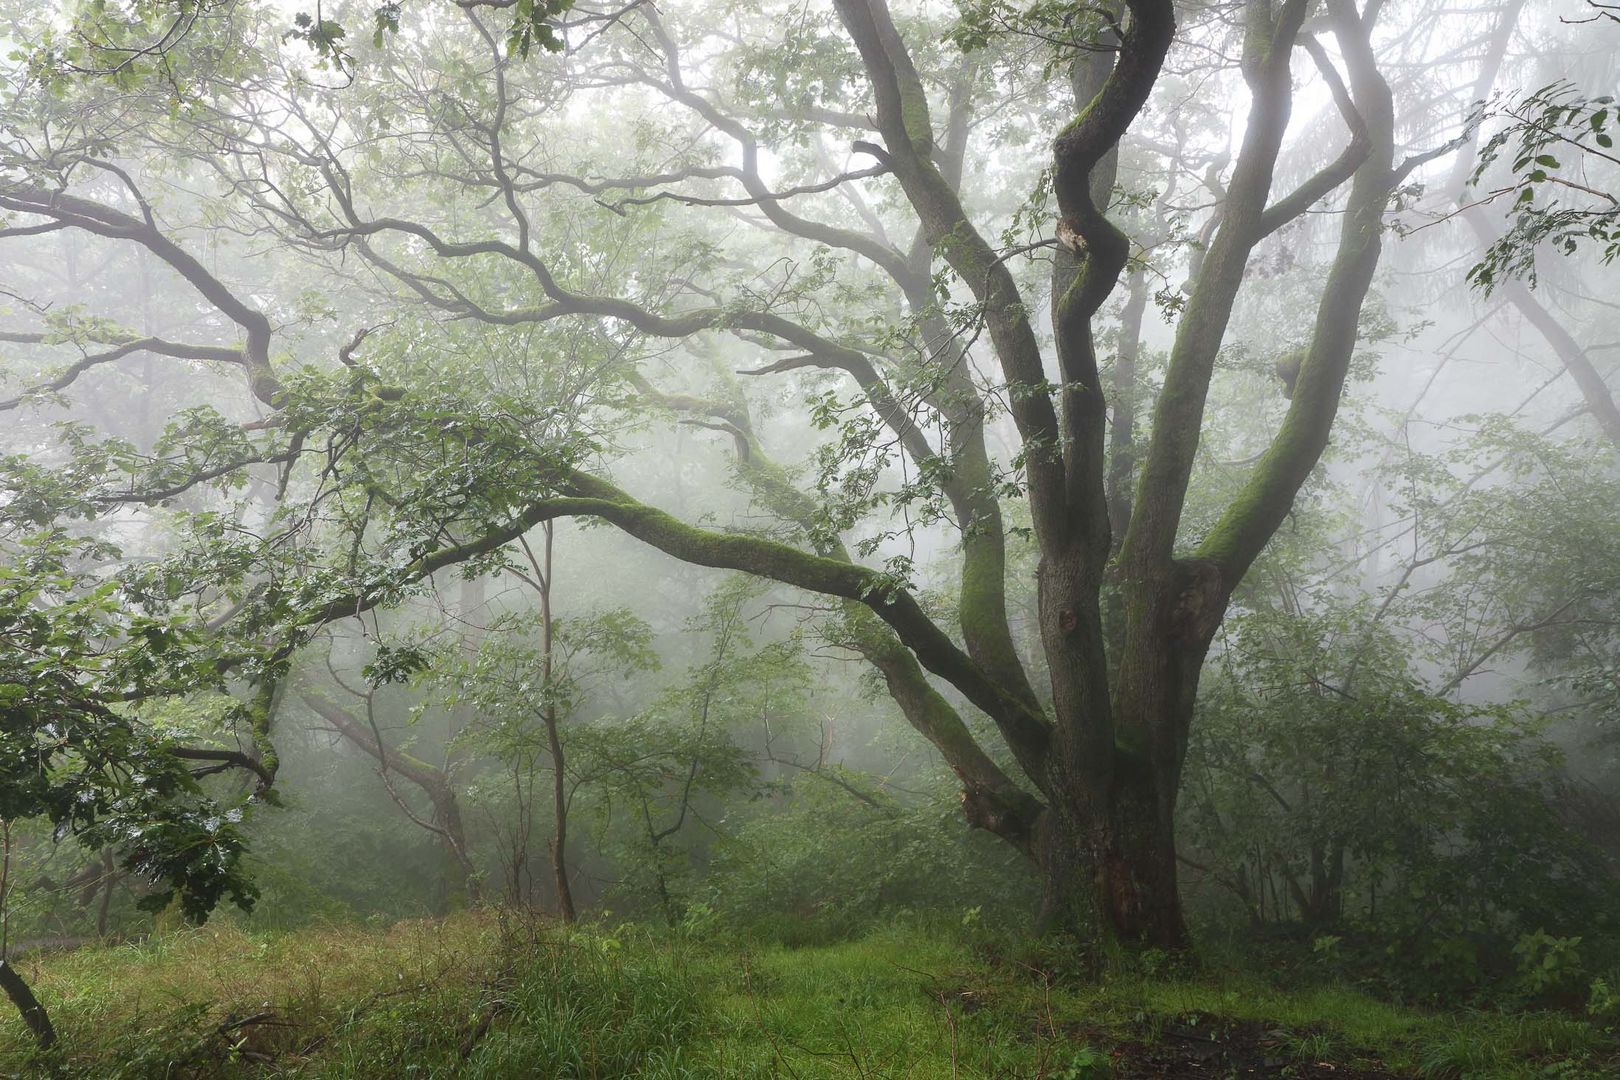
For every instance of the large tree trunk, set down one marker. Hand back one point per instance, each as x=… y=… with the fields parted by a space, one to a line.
x=1105 y=846
x=1112 y=875
x=1124 y=697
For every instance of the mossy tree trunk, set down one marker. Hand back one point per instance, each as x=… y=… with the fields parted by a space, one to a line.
x=1102 y=748
x=1087 y=786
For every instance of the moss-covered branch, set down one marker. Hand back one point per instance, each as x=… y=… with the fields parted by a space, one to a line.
x=984 y=782
x=1179 y=413
x=1252 y=518
x=1025 y=729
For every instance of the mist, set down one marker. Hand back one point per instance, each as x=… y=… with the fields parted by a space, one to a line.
x=857 y=538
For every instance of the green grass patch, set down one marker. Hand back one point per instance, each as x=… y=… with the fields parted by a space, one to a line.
x=489 y=995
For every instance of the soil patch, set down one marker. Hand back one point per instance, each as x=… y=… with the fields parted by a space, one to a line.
x=1198 y=1045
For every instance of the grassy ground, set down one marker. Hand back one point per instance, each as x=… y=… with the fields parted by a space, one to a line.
x=492 y=996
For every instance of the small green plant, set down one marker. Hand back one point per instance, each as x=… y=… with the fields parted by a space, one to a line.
x=1156 y=963
x=1547 y=963
x=699 y=920
x=1317 y=1046
x=1087 y=1063
x=1603 y=999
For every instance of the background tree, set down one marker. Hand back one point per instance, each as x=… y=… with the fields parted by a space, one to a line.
x=895 y=305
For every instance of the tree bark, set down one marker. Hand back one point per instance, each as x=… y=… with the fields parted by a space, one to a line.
x=1108 y=864
x=33 y=1013
x=559 y=786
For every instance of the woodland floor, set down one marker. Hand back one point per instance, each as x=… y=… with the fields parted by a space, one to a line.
x=493 y=996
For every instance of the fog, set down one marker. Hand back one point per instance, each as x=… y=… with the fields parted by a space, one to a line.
x=1145 y=472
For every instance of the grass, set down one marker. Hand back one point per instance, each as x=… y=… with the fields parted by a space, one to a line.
x=491 y=995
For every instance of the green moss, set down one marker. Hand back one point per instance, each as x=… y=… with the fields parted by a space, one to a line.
x=919 y=128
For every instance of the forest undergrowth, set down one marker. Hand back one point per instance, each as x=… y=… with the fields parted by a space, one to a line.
x=498 y=994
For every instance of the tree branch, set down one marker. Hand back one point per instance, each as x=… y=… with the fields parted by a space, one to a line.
x=114 y=224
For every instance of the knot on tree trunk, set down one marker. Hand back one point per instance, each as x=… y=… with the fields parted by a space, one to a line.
x=1069 y=235
x=1200 y=600
x=1009 y=815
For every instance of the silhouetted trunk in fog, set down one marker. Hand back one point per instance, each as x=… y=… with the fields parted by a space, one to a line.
x=445 y=822
x=1588 y=380
x=548 y=716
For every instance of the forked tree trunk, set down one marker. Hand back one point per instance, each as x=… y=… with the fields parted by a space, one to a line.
x=1124 y=698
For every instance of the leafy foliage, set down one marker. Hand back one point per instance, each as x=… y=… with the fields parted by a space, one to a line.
x=1330 y=788
x=1561 y=147
x=812 y=861
x=72 y=756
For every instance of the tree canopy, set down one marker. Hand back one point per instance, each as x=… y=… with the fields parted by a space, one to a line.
x=1012 y=340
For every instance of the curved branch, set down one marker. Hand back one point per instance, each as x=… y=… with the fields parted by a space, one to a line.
x=1025 y=729
x=903 y=120
x=156 y=345
x=879 y=169
x=101 y=220
x=1250 y=520
x=1336 y=172
x=1092 y=254
x=891 y=261
x=992 y=800
x=1178 y=415
x=225 y=759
